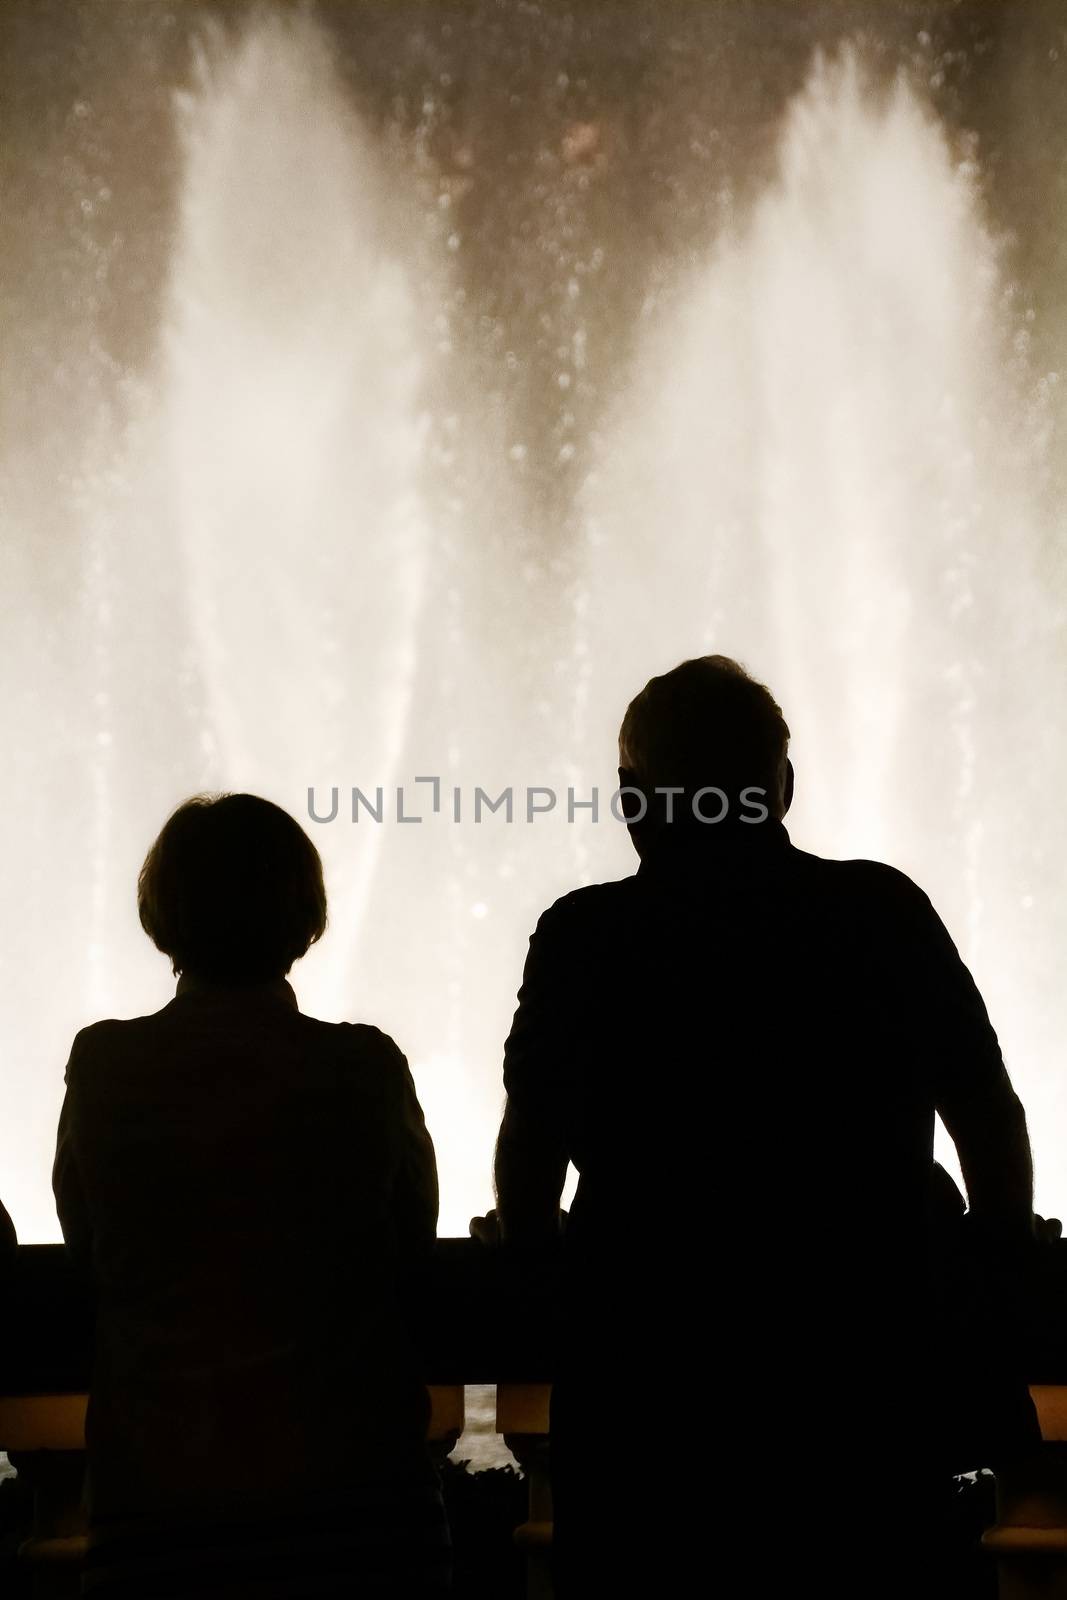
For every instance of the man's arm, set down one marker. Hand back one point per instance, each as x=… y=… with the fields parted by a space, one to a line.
x=529 y=1172
x=989 y=1131
x=531 y=1151
x=973 y=1093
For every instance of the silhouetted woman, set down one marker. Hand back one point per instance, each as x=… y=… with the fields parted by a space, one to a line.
x=247 y=1185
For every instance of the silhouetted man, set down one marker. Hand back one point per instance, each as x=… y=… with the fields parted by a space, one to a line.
x=741 y=1049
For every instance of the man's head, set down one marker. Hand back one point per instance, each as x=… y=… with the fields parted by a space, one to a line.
x=706 y=725
x=232 y=889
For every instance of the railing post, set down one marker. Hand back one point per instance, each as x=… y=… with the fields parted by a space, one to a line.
x=448 y=1412
x=522 y=1417
x=1029 y=1539
x=55 y=1549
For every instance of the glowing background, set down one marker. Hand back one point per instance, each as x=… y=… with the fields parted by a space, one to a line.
x=390 y=390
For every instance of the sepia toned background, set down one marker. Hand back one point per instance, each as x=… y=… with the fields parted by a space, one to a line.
x=390 y=389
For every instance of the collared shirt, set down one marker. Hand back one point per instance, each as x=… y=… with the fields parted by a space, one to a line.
x=246 y=1185
x=741 y=1048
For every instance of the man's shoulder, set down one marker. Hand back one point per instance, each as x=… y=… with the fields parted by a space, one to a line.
x=591 y=905
x=857 y=870
x=861 y=880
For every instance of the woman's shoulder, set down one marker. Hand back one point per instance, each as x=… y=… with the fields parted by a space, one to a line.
x=104 y=1047
x=360 y=1041
x=102 y=1037
x=362 y=1055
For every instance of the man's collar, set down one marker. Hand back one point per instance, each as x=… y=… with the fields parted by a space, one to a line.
x=719 y=846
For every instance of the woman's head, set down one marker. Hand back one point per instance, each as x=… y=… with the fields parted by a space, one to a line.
x=232 y=889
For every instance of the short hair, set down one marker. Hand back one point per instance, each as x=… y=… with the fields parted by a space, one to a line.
x=232 y=889
x=704 y=723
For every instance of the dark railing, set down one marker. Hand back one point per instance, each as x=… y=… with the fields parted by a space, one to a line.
x=490 y=1321
x=491 y=1324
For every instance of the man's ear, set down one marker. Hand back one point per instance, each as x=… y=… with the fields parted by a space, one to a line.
x=634 y=809
x=787 y=791
x=631 y=795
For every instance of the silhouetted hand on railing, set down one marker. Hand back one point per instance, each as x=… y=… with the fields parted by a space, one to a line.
x=486 y=1229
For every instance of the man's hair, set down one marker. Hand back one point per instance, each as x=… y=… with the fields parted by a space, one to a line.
x=232 y=889
x=705 y=723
